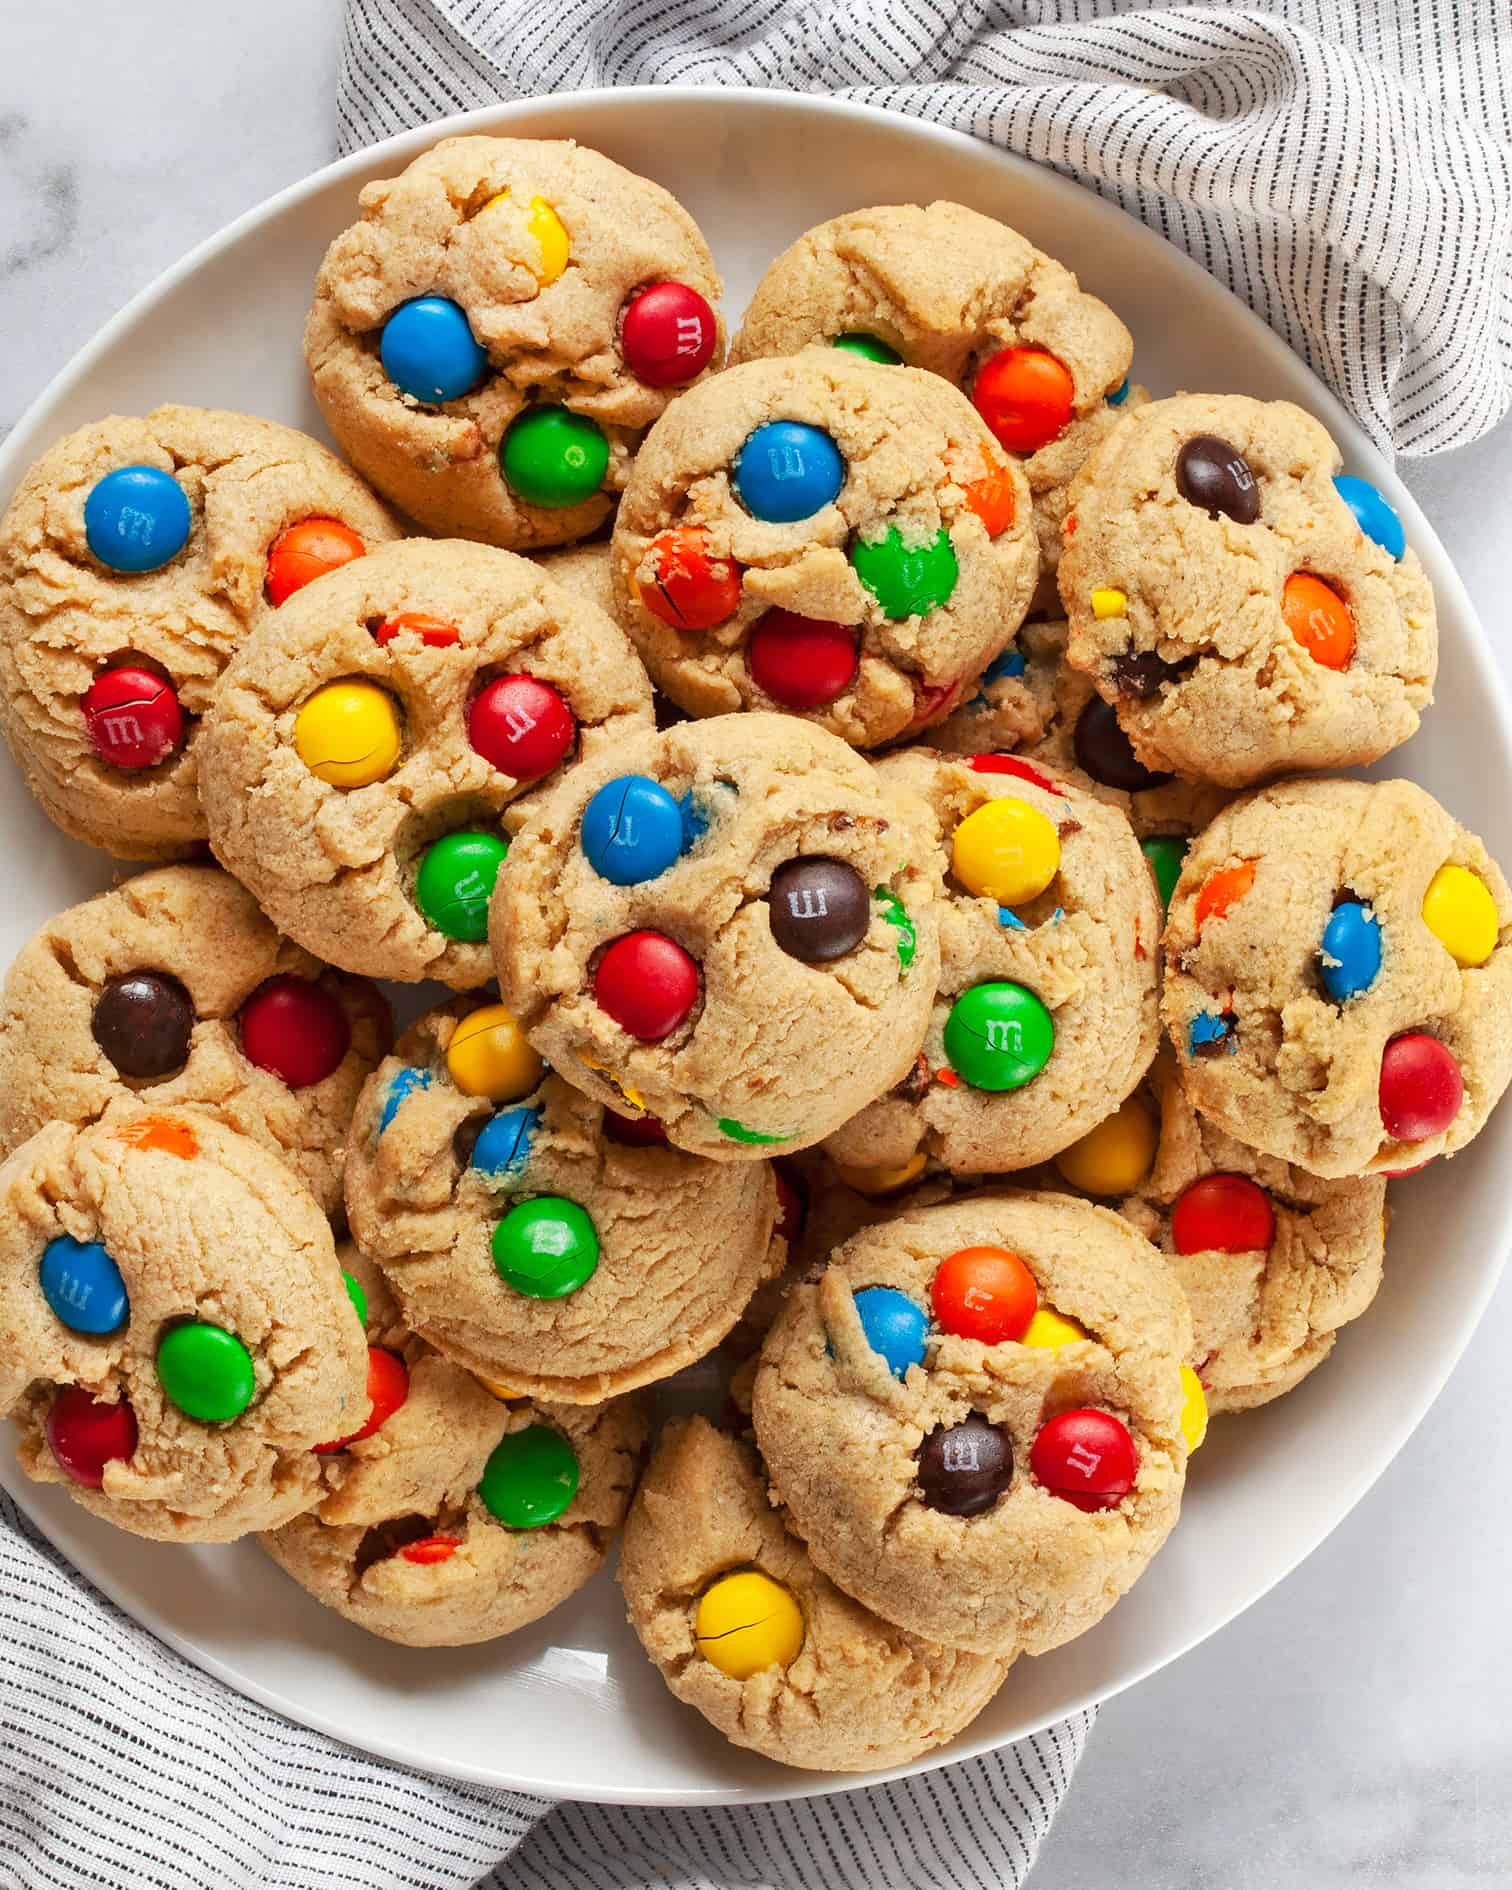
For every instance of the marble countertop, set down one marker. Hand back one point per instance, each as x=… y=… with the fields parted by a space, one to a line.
x=1353 y=1728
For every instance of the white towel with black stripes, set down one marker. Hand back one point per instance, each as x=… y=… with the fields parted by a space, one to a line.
x=1346 y=169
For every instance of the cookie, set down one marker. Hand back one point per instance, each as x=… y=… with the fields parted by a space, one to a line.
x=729 y=926
x=461 y=1518
x=491 y=338
x=742 y=1626
x=135 y=557
x=1339 y=976
x=825 y=536
x=1273 y=1260
x=1225 y=598
x=586 y=570
x=985 y=1482
x=178 y=1335
x=536 y=1237
x=371 y=740
x=172 y=989
x=1045 y=1014
x=947 y=289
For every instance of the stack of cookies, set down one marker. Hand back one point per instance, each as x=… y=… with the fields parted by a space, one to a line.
x=889 y=944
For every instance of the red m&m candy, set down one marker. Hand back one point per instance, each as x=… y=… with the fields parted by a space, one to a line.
x=1085 y=1457
x=132 y=717
x=303 y=552
x=433 y=632
x=634 y=1131
x=647 y=983
x=1011 y=764
x=668 y=334
x=431 y=1549
x=1422 y=1087
x=983 y=1293
x=295 y=1029
x=801 y=662
x=1223 y=1214
x=1026 y=396
x=690 y=588
x=84 y=1434
x=792 y=1206
x=521 y=726
x=387 y=1389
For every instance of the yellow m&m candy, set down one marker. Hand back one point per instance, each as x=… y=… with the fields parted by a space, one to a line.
x=550 y=233
x=1005 y=850
x=882 y=1180
x=1461 y=914
x=1194 y=1412
x=1112 y=1159
x=746 y=1622
x=348 y=734
x=488 y=1056
x=1049 y=1329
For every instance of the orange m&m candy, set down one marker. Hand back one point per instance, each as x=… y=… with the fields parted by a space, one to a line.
x=1026 y=396
x=1319 y=619
x=689 y=588
x=993 y=498
x=308 y=550
x=1222 y=890
x=983 y=1293
x=387 y=1389
x=433 y=632
x=431 y=1549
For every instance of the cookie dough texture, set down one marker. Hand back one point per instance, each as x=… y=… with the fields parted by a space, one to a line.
x=585 y=570
x=775 y=1053
x=335 y=867
x=203 y=1225
x=683 y=1244
x=64 y=617
x=198 y=926
x=1088 y=948
x=455 y=223
x=1297 y=1075
x=948 y=288
x=840 y=1435
x=861 y=1694
x=911 y=447
x=417 y=1477
x=1238 y=698
x=1261 y=1321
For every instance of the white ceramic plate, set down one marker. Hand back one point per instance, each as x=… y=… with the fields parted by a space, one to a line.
x=571 y=1707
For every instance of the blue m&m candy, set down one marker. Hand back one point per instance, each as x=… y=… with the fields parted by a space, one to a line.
x=404 y=1083
x=503 y=1147
x=895 y=1327
x=1351 y=954
x=787 y=471
x=1120 y=393
x=137 y=518
x=1375 y=517
x=428 y=351
x=83 y=1285
x=632 y=830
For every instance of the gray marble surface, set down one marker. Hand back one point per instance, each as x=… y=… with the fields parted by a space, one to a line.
x=1353 y=1729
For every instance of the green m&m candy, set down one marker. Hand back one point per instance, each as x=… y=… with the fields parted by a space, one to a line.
x=896 y=914
x=554 y=458
x=531 y=1477
x=869 y=347
x=206 y=1372
x=456 y=882
x=546 y=1247
x=356 y=1295
x=906 y=580
x=998 y=1036
x=1165 y=852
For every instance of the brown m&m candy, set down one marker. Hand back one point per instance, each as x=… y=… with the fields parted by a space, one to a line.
x=143 y=1021
x=1141 y=672
x=1104 y=751
x=1216 y=476
x=965 y=1468
x=820 y=909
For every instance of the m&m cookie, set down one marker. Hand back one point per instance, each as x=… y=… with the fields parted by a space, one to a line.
x=372 y=738
x=1044 y=1017
x=172 y=989
x=537 y=1237
x=179 y=1337
x=1227 y=602
x=824 y=536
x=743 y=1626
x=455 y=1516
x=973 y=1417
x=1338 y=976
x=136 y=556
x=947 y=289
x=729 y=927
x=493 y=335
